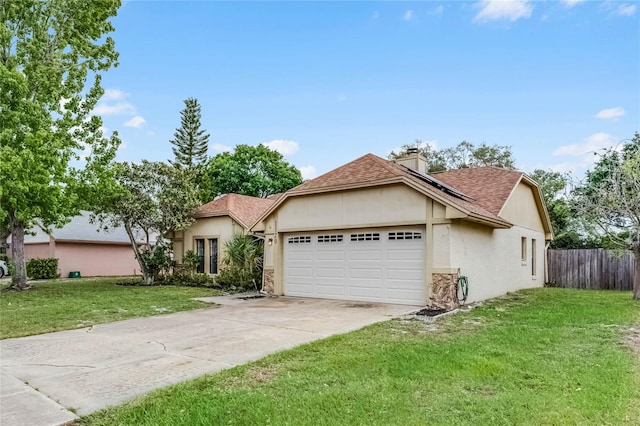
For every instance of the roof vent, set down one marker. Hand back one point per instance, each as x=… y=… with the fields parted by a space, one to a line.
x=412 y=150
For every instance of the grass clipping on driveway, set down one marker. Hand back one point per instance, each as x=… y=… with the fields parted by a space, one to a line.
x=544 y=356
x=64 y=304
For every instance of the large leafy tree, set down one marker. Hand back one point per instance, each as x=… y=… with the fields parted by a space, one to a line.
x=568 y=230
x=49 y=49
x=250 y=170
x=463 y=155
x=190 y=141
x=149 y=200
x=610 y=200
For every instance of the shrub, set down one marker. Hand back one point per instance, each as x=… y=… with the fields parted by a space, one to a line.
x=187 y=279
x=42 y=269
x=242 y=263
x=157 y=260
x=190 y=261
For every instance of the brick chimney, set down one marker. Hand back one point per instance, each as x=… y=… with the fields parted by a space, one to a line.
x=412 y=159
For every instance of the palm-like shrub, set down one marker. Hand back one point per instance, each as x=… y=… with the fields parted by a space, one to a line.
x=241 y=263
x=190 y=262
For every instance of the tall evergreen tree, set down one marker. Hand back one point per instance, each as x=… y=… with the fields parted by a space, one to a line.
x=190 y=141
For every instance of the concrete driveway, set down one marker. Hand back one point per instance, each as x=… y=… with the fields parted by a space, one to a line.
x=45 y=376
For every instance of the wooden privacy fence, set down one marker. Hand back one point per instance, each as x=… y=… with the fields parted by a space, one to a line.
x=592 y=269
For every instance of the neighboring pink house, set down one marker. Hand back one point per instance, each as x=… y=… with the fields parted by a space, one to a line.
x=82 y=246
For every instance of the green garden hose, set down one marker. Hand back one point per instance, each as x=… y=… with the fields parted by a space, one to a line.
x=462 y=288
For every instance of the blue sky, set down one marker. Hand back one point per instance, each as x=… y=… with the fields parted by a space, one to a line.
x=327 y=82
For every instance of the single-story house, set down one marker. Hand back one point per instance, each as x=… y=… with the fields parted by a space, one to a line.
x=216 y=223
x=386 y=231
x=82 y=246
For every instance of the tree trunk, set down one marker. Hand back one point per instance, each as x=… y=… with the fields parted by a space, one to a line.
x=147 y=278
x=636 y=280
x=19 y=278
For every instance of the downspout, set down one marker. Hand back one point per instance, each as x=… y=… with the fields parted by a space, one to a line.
x=546 y=262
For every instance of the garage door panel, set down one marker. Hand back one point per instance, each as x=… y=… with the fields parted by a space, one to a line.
x=300 y=255
x=330 y=273
x=381 y=266
x=330 y=255
x=331 y=290
x=301 y=289
x=366 y=292
x=405 y=254
x=374 y=255
x=404 y=274
x=365 y=273
x=301 y=272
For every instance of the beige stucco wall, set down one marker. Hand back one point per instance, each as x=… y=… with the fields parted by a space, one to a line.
x=392 y=205
x=94 y=260
x=491 y=258
x=381 y=206
x=221 y=227
x=521 y=209
x=441 y=245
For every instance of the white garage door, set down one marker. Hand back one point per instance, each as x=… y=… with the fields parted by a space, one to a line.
x=368 y=265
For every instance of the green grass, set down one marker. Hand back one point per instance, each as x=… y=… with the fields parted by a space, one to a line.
x=68 y=304
x=540 y=357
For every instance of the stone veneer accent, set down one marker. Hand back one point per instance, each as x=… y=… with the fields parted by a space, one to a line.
x=267 y=281
x=443 y=292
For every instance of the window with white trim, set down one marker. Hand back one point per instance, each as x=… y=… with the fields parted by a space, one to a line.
x=336 y=238
x=523 y=250
x=299 y=240
x=533 y=258
x=405 y=235
x=368 y=236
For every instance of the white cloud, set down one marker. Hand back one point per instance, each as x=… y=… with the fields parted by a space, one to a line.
x=119 y=108
x=571 y=3
x=308 y=172
x=113 y=102
x=592 y=144
x=437 y=10
x=283 y=146
x=114 y=95
x=511 y=10
x=409 y=15
x=135 y=122
x=611 y=113
x=220 y=147
x=625 y=10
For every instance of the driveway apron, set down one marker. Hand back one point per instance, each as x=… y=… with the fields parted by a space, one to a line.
x=47 y=378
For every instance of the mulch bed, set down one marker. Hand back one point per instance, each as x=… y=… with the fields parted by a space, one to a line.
x=428 y=312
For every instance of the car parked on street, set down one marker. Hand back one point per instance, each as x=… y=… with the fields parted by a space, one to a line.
x=4 y=269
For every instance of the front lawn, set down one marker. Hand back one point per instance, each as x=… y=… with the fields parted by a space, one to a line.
x=537 y=357
x=67 y=304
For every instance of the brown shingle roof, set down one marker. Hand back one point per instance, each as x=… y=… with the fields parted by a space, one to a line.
x=368 y=168
x=483 y=203
x=490 y=187
x=241 y=208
